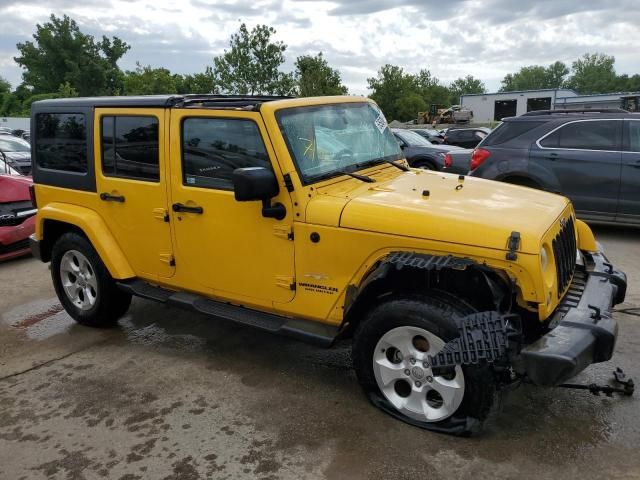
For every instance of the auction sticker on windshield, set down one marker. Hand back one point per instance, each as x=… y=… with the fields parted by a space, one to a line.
x=381 y=122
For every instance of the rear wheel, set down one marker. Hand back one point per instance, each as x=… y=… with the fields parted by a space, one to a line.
x=83 y=284
x=391 y=357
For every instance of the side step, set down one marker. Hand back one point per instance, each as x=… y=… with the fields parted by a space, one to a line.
x=307 y=331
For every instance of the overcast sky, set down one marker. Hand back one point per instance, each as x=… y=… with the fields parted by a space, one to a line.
x=452 y=38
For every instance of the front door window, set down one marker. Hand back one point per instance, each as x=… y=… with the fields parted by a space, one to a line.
x=212 y=148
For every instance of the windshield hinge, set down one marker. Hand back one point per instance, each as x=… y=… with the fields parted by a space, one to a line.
x=513 y=244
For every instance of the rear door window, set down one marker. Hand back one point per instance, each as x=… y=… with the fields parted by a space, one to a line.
x=509 y=130
x=130 y=147
x=585 y=135
x=61 y=142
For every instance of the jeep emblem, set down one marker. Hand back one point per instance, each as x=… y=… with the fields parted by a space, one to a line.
x=417 y=372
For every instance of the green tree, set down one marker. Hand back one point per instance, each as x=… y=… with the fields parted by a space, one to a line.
x=626 y=83
x=402 y=95
x=61 y=53
x=252 y=64
x=466 y=85
x=5 y=86
x=9 y=104
x=12 y=103
x=113 y=49
x=199 y=83
x=556 y=74
x=593 y=73
x=390 y=86
x=407 y=106
x=536 y=77
x=314 y=77
x=146 y=80
x=431 y=90
x=67 y=91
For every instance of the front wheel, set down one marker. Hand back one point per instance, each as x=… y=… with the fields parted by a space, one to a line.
x=83 y=284
x=391 y=356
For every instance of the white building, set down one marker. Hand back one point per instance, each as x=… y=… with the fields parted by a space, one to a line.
x=490 y=107
x=15 y=123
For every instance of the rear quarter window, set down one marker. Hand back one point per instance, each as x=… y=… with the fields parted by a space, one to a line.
x=508 y=131
x=584 y=135
x=61 y=142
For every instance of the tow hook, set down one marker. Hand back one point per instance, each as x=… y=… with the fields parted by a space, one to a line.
x=627 y=386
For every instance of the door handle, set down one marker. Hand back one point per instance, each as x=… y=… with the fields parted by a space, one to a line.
x=180 y=207
x=107 y=197
x=637 y=164
x=552 y=156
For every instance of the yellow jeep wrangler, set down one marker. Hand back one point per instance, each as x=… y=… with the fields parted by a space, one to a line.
x=301 y=217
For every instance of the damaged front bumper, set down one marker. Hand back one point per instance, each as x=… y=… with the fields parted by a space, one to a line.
x=583 y=331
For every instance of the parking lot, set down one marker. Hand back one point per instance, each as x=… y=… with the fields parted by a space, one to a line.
x=175 y=395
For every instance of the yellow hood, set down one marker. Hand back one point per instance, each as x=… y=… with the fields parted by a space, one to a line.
x=472 y=212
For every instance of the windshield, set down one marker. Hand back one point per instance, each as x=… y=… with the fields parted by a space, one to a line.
x=10 y=144
x=328 y=139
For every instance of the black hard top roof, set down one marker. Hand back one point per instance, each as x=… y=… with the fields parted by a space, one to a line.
x=163 y=101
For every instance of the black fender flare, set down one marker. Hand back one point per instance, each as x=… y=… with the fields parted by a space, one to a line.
x=399 y=260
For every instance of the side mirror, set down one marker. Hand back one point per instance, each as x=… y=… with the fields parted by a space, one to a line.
x=258 y=183
x=254 y=183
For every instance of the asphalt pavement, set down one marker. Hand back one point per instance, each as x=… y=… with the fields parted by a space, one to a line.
x=175 y=395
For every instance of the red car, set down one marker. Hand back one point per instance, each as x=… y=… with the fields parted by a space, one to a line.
x=17 y=220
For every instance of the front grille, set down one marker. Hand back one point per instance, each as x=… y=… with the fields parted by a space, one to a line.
x=564 y=252
x=572 y=297
x=9 y=212
x=14 y=247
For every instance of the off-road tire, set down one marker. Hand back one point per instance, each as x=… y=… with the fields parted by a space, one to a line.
x=436 y=312
x=111 y=303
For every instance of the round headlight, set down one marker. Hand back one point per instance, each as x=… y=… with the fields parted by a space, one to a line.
x=544 y=258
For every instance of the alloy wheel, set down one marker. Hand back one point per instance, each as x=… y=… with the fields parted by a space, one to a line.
x=403 y=373
x=78 y=279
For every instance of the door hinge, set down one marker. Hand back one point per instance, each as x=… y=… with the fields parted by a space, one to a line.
x=161 y=214
x=168 y=259
x=283 y=231
x=284 y=281
x=288 y=183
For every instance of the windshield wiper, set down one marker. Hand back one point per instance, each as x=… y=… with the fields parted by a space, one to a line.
x=363 y=178
x=402 y=167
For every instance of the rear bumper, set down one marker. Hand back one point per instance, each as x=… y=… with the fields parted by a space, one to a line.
x=584 y=333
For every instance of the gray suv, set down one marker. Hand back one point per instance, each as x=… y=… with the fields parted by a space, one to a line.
x=591 y=157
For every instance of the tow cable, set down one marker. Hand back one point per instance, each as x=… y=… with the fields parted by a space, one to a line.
x=627 y=386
